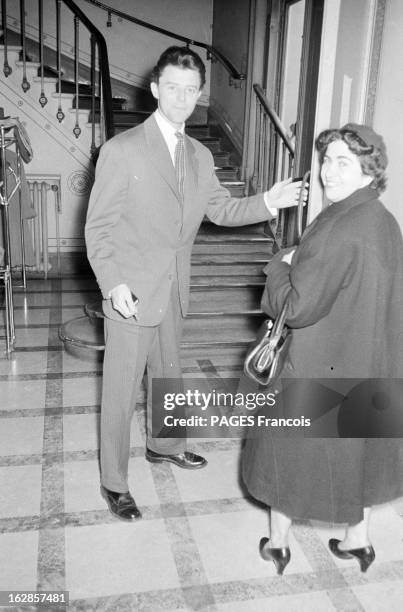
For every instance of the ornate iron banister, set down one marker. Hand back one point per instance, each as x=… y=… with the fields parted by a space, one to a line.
x=103 y=66
x=211 y=51
x=97 y=43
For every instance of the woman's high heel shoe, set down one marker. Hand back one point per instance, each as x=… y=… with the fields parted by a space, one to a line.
x=280 y=556
x=364 y=555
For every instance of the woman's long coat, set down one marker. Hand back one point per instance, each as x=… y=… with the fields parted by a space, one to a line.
x=345 y=287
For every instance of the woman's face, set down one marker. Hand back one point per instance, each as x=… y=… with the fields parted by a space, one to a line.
x=341 y=172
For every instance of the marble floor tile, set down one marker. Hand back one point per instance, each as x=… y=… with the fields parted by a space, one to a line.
x=32 y=317
x=86 y=362
x=80 y=298
x=27 y=300
x=384 y=597
x=18 y=561
x=82 y=391
x=218 y=480
x=82 y=485
x=235 y=555
x=385 y=525
x=24 y=394
x=81 y=432
x=302 y=602
x=20 y=488
x=21 y=436
x=106 y=560
x=31 y=338
x=24 y=363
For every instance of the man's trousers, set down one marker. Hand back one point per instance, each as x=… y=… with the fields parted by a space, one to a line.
x=129 y=350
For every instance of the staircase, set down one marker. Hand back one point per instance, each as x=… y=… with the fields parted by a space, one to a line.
x=226 y=276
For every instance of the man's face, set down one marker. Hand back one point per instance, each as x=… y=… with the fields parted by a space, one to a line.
x=341 y=172
x=177 y=92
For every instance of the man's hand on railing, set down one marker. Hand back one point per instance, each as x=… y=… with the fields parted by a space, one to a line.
x=285 y=194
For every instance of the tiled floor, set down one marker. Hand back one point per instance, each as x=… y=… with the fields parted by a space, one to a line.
x=196 y=547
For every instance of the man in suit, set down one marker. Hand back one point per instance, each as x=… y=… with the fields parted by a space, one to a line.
x=153 y=186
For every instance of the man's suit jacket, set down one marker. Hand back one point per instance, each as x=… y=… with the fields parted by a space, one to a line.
x=137 y=230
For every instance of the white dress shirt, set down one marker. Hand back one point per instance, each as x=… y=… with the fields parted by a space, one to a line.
x=168 y=132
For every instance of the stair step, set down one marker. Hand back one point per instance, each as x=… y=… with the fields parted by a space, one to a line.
x=209 y=232
x=221 y=158
x=198 y=131
x=127 y=118
x=226 y=281
x=241 y=249
x=225 y=299
x=70 y=87
x=85 y=102
x=213 y=144
x=257 y=257
x=228 y=269
x=209 y=328
x=227 y=173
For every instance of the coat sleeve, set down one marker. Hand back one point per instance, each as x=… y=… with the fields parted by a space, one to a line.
x=107 y=198
x=321 y=268
x=223 y=209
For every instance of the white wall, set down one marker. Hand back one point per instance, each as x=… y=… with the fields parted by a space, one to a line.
x=388 y=117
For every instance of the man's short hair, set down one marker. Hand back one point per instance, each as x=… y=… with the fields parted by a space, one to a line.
x=183 y=57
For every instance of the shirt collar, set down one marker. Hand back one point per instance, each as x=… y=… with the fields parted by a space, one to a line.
x=167 y=129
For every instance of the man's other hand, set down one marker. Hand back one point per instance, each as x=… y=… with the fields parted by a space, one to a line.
x=285 y=194
x=123 y=302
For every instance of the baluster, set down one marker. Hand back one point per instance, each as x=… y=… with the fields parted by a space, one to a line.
x=261 y=147
x=102 y=122
x=42 y=99
x=265 y=178
x=60 y=114
x=255 y=154
x=22 y=225
x=77 y=129
x=93 y=84
x=283 y=160
x=6 y=66
x=25 y=85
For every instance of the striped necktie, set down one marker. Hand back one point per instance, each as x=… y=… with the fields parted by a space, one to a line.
x=180 y=163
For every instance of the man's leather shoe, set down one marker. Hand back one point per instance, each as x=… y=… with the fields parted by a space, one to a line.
x=121 y=505
x=186 y=460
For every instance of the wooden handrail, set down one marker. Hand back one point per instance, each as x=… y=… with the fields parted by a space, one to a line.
x=275 y=119
x=103 y=65
x=233 y=72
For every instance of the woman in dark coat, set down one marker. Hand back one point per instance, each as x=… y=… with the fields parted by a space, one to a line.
x=345 y=293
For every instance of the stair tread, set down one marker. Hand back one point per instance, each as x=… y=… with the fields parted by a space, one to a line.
x=226 y=281
x=231 y=258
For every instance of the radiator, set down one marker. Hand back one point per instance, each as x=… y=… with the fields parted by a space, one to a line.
x=45 y=197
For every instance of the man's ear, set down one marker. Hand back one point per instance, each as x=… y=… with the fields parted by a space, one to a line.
x=154 y=90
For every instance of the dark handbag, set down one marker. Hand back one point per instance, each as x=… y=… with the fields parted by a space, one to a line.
x=265 y=357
